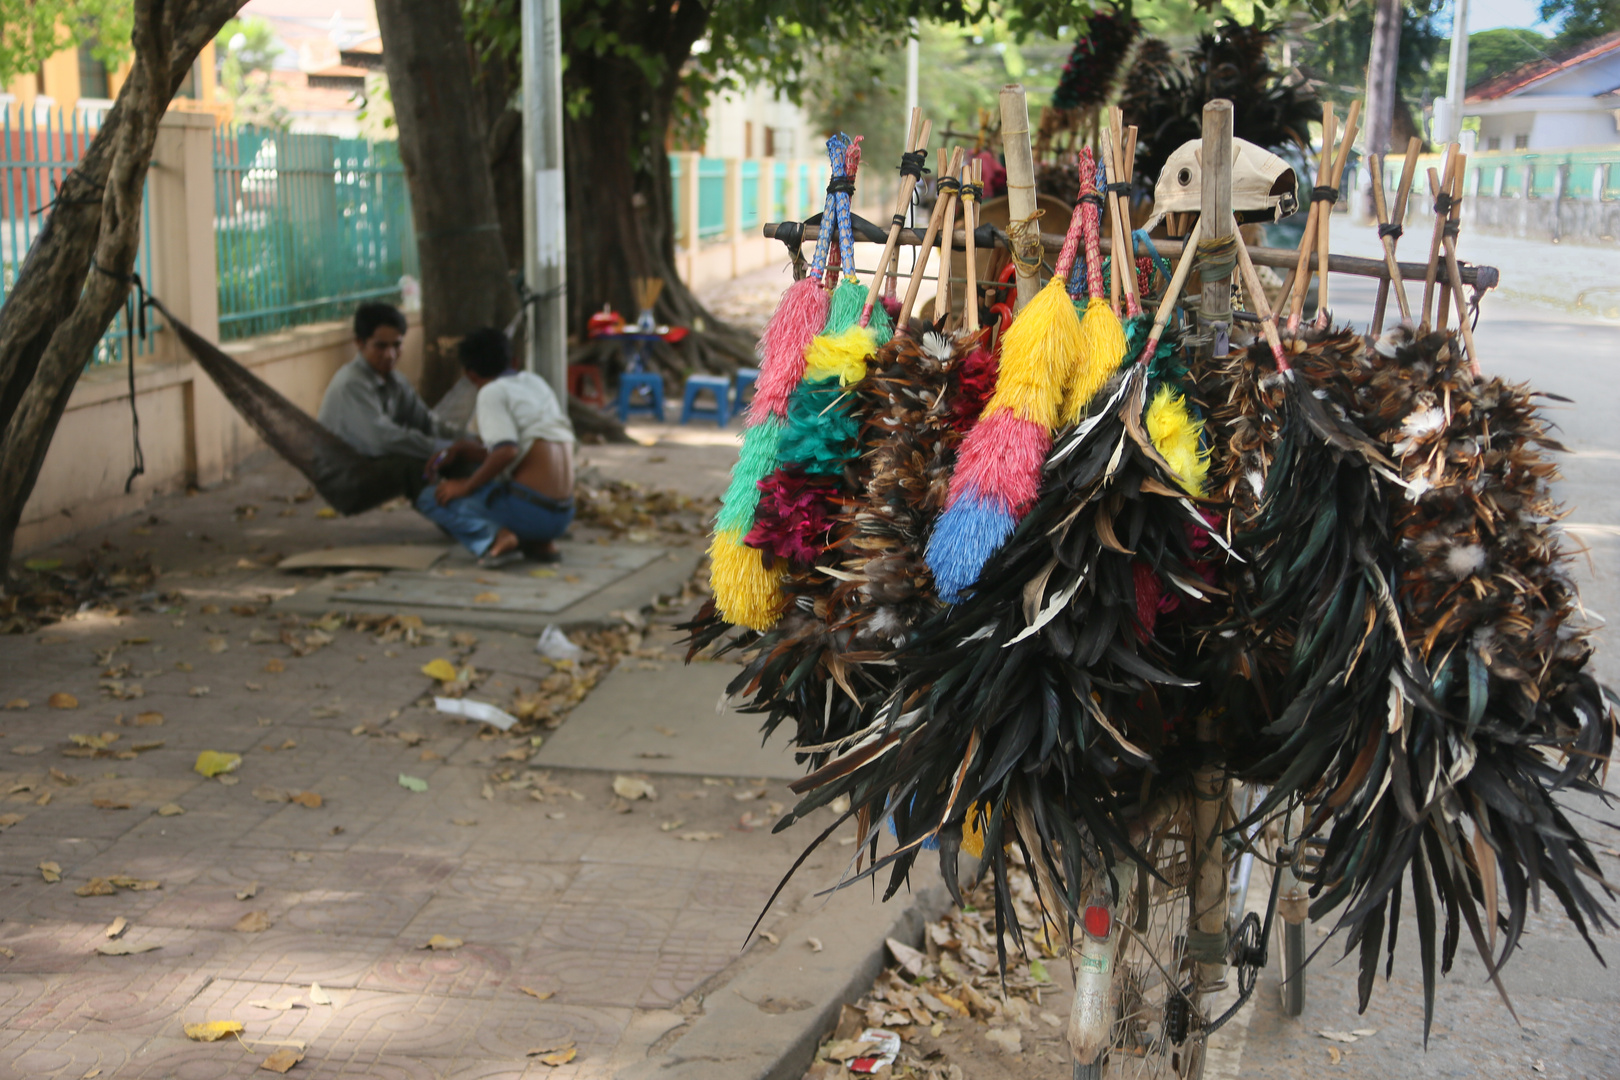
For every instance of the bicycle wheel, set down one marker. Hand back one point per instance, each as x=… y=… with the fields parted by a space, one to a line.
x=1291 y=938
x=1154 y=1035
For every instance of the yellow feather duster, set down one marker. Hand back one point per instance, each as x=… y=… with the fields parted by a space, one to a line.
x=1176 y=435
x=746 y=593
x=1035 y=356
x=843 y=355
x=1102 y=347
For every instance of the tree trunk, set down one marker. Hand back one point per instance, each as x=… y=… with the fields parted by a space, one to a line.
x=458 y=235
x=620 y=202
x=58 y=310
x=1383 y=64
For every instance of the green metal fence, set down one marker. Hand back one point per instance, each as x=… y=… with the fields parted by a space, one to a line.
x=1583 y=174
x=779 y=191
x=306 y=227
x=749 y=211
x=711 y=198
x=38 y=148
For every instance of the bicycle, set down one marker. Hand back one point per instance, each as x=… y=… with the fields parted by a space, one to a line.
x=1154 y=949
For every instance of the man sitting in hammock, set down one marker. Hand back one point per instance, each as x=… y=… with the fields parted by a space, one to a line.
x=374 y=409
x=520 y=497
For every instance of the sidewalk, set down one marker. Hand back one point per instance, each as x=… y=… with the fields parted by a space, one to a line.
x=601 y=932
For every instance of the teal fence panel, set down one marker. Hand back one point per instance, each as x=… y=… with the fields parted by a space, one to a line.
x=38 y=148
x=804 y=193
x=748 y=217
x=711 y=198
x=306 y=227
x=779 y=190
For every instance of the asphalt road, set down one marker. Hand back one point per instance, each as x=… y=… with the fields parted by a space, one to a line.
x=1566 y=1002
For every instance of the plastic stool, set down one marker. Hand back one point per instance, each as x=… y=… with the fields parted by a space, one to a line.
x=720 y=386
x=629 y=383
x=585 y=383
x=744 y=382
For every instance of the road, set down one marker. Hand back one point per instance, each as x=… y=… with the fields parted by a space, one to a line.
x=1566 y=1001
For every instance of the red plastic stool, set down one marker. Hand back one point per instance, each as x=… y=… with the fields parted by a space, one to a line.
x=585 y=383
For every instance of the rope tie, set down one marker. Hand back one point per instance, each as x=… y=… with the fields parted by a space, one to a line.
x=1119 y=187
x=914 y=163
x=142 y=301
x=1391 y=230
x=1451 y=229
x=1024 y=244
x=1325 y=193
x=841 y=185
x=1092 y=198
x=948 y=185
x=1217 y=256
x=973 y=191
x=1444 y=203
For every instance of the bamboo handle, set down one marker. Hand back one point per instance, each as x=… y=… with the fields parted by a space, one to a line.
x=1388 y=243
x=1257 y=296
x=947 y=236
x=970 y=221
x=1105 y=155
x=934 y=221
x=1454 y=275
x=1021 y=200
x=1437 y=184
x=1334 y=179
x=1307 y=242
x=916 y=139
x=1172 y=293
x=1455 y=214
x=1133 y=295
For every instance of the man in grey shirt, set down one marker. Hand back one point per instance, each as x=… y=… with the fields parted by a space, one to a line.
x=374 y=409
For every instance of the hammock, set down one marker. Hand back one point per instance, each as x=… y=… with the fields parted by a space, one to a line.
x=350 y=482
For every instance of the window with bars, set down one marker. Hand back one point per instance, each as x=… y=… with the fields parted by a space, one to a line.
x=93 y=78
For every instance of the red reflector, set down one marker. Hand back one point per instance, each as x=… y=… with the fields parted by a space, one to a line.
x=1098 y=921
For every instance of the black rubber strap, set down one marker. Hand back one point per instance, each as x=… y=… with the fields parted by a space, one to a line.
x=1391 y=230
x=1444 y=203
x=1451 y=228
x=841 y=185
x=949 y=184
x=914 y=163
x=1325 y=193
x=1120 y=188
x=1092 y=197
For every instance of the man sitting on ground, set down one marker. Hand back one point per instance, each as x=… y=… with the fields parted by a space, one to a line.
x=520 y=497
x=374 y=409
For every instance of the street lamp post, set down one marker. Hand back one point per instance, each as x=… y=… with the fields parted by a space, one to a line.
x=545 y=222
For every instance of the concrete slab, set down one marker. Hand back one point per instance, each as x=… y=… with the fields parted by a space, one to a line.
x=368 y=557
x=592 y=582
x=665 y=719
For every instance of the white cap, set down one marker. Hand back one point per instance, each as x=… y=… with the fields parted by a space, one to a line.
x=1264 y=186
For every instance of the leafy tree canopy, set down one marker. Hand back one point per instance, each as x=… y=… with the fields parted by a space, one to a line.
x=245 y=51
x=1578 y=20
x=1491 y=52
x=33 y=30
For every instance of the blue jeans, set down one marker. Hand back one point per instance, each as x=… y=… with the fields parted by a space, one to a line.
x=475 y=519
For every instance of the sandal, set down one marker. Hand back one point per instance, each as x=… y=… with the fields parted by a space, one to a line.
x=505 y=558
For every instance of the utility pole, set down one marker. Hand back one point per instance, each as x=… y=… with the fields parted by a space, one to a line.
x=545 y=221
x=1457 y=76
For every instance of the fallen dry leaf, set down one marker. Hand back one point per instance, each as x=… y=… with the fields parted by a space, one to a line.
x=1335 y=1055
x=109 y=804
x=44 y=799
x=697 y=837
x=664 y=730
x=249 y=893
x=1338 y=1036
x=51 y=872
x=170 y=810
x=267 y=793
x=770 y=937
x=630 y=787
x=561 y=1057
x=326 y=513
x=116 y=927
x=440 y=669
x=318 y=996
x=24 y=751
x=464 y=822
x=216 y=763
x=275 y=665
x=63 y=778
x=148 y=719
x=671 y=826
x=538 y=995
x=487 y=598
x=214 y=1030
x=8 y=820
x=910 y=960
x=62 y=701
x=1007 y=1040
x=218 y=645
x=6 y=952
x=124 y=881
x=123 y=948
x=438 y=943
x=814 y=943
x=308 y=799
x=279 y=1006
x=847 y=1049
x=96 y=887
x=281 y=1060
x=253 y=922
x=17 y=703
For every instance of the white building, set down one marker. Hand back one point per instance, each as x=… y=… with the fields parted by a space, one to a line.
x=757 y=123
x=1569 y=99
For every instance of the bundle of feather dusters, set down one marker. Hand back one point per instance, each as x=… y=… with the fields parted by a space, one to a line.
x=1342 y=580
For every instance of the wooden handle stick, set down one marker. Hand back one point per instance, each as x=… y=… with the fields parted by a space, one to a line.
x=916 y=139
x=1105 y=153
x=947 y=238
x=1133 y=295
x=970 y=221
x=1453 y=215
x=1438 y=185
x=1453 y=272
x=1257 y=297
x=1334 y=179
x=934 y=220
x=1395 y=216
x=1172 y=292
x=1021 y=200
x=1307 y=241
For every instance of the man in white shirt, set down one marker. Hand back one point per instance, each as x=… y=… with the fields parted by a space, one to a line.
x=373 y=408
x=520 y=498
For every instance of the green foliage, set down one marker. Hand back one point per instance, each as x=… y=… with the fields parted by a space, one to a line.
x=245 y=50
x=1578 y=20
x=1491 y=52
x=1335 y=54
x=33 y=30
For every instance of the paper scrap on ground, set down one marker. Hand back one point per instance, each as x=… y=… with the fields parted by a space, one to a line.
x=481 y=711
x=318 y=996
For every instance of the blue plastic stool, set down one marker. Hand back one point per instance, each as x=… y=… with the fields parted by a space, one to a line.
x=632 y=381
x=718 y=385
x=744 y=382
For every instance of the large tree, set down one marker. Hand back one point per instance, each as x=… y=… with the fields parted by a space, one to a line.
x=58 y=308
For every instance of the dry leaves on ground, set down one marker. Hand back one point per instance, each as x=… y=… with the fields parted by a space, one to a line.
x=253 y=922
x=281 y=1060
x=538 y=995
x=62 y=701
x=123 y=948
x=214 y=1030
x=216 y=763
x=439 y=943
x=116 y=927
x=631 y=787
x=51 y=872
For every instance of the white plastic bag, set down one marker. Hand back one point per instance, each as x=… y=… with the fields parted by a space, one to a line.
x=554 y=645
x=481 y=711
